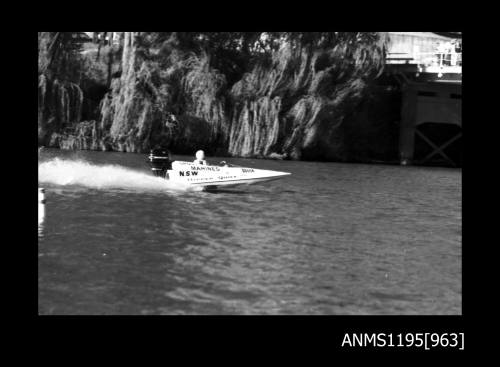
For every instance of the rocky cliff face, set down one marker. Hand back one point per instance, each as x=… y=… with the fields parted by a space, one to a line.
x=298 y=105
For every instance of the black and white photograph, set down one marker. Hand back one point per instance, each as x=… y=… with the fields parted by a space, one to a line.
x=250 y=173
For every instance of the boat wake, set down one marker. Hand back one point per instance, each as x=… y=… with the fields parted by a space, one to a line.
x=80 y=173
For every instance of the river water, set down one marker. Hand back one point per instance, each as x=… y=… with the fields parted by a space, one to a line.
x=329 y=239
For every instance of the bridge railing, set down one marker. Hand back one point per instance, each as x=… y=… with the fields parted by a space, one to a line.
x=440 y=59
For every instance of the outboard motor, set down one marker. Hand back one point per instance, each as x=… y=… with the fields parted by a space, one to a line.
x=160 y=162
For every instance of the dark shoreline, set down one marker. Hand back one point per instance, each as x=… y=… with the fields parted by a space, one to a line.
x=371 y=162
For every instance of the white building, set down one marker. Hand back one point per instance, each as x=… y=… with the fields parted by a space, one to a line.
x=433 y=53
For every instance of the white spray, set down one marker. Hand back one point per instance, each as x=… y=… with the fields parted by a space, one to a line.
x=69 y=172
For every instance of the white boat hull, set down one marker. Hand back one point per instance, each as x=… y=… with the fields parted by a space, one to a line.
x=214 y=176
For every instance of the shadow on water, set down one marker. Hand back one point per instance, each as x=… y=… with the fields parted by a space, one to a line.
x=226 y=191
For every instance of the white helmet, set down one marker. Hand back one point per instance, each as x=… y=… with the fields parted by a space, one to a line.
x=200 y=155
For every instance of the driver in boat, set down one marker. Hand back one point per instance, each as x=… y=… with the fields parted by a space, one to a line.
x=200 y=158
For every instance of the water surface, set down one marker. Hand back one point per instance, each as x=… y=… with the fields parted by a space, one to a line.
x=329 y=239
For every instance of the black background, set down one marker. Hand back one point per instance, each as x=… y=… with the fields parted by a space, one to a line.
x=237 y=339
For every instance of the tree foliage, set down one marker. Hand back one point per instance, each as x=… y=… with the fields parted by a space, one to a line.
x=234 y=53
x=59 y=52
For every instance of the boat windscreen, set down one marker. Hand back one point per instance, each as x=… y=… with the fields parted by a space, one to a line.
x=225 y=164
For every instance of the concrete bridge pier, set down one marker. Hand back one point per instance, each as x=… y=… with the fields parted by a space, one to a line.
x=407 y=128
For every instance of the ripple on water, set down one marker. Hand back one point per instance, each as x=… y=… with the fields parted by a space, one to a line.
x=330 y=239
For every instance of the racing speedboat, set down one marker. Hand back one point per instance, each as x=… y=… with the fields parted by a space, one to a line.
x=208 y=176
